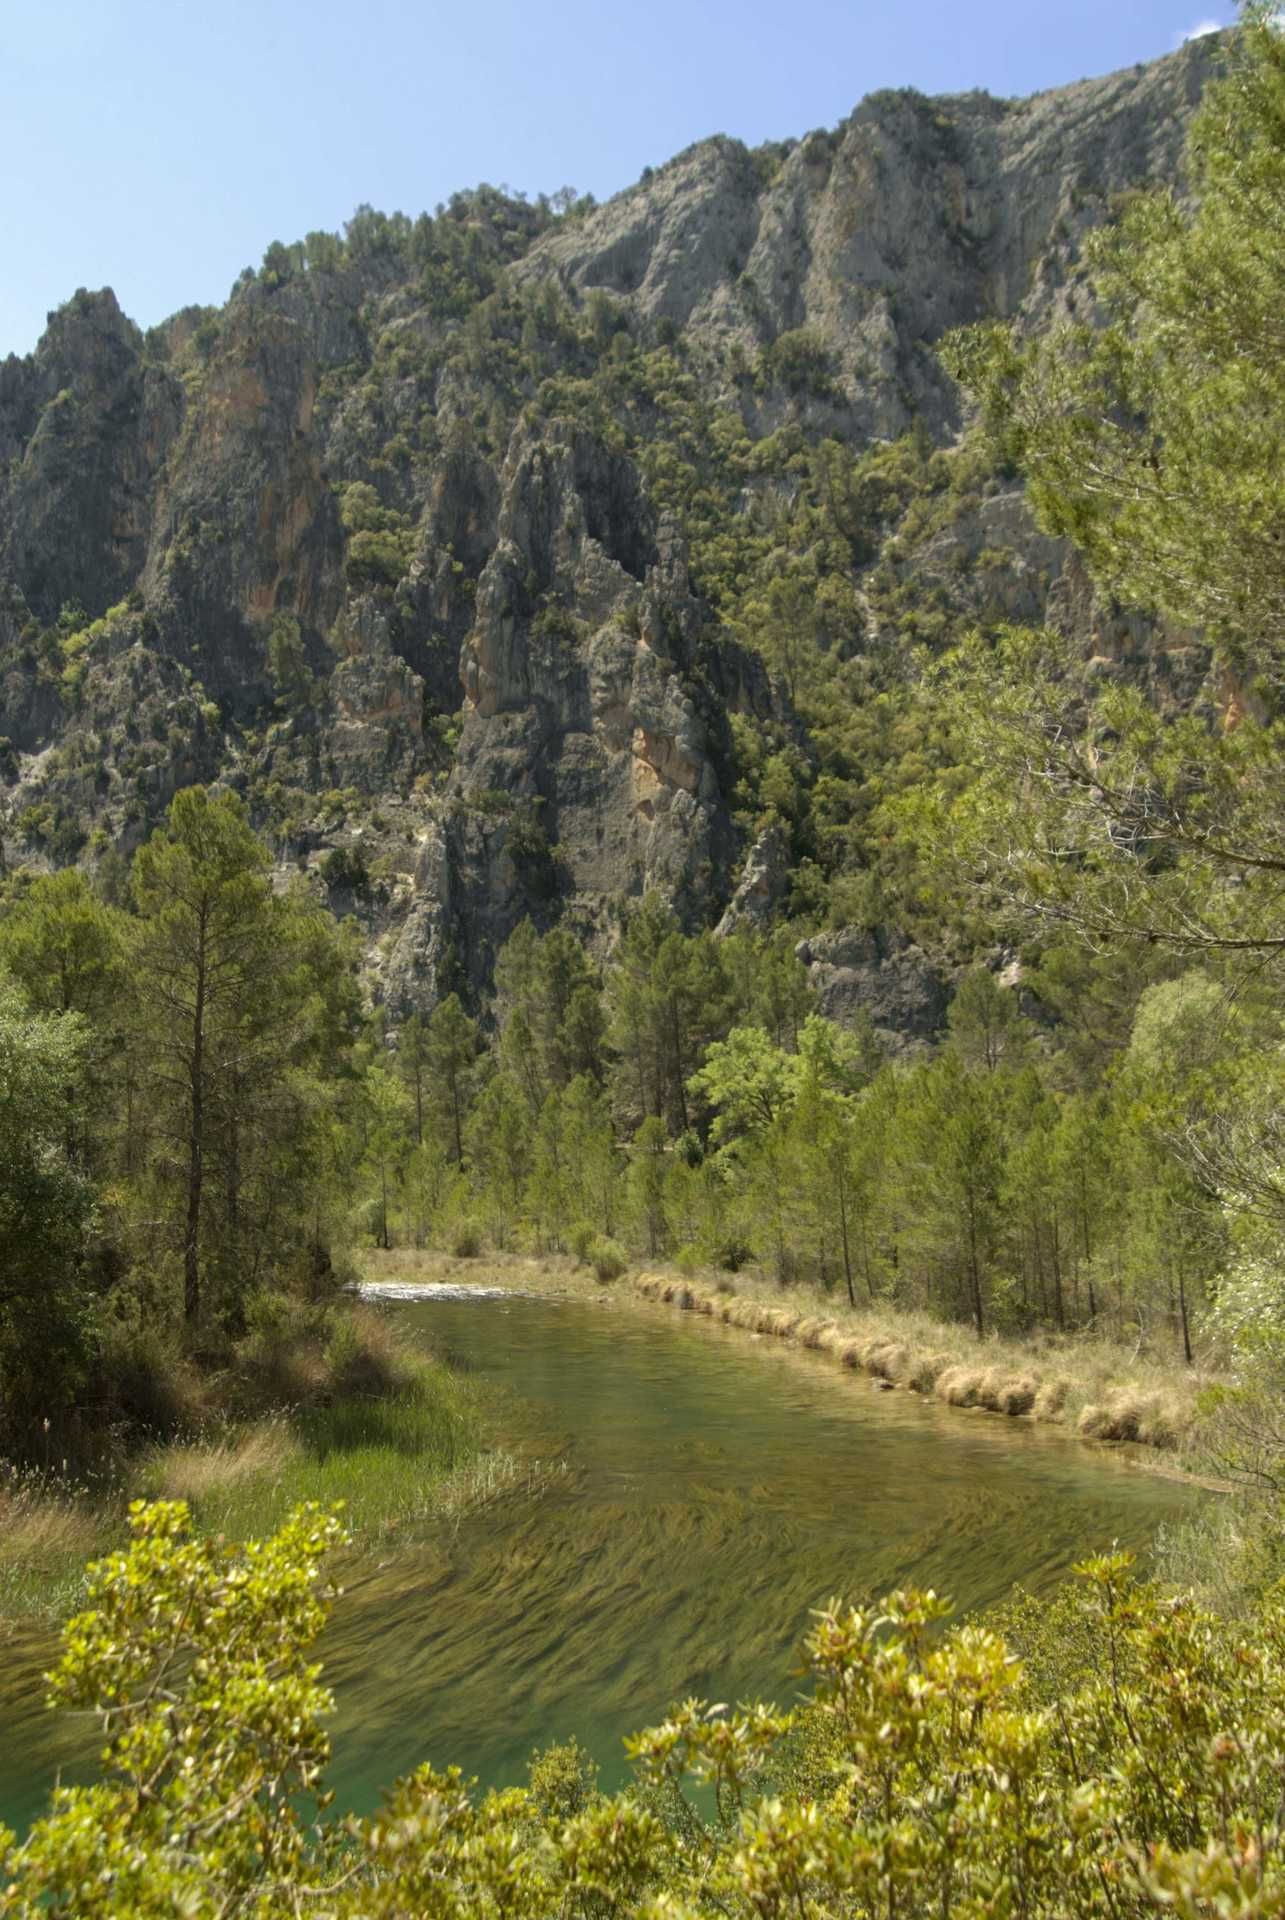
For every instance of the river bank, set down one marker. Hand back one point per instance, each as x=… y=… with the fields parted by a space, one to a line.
x=403 y=1441
x=702 y=1493
x=357 y=1415
x=1099 y=1392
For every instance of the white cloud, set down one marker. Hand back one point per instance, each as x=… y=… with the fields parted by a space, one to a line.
x=1198 y=32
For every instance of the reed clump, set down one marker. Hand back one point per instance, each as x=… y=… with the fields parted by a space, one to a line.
x=1130 y=1415
x=42 y=1518
x=907 y=1351
x=1076 y=1381
x=49 y=1527
x=1017 y=1396
x=960 y=1386
x=1050 y=1399
x=200 y=1471
x=886 y=1359
x=925 y=1371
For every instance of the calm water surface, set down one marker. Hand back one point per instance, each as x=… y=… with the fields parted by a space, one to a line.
x=714 y=1489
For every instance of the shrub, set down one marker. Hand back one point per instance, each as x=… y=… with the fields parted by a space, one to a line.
x=345 y=867
x=361 y=1356
x=580 y=1240
x=562 y=1781
x=608 y=1259
x=733 y=1253
x=1133 y=1767
x=466 y=1240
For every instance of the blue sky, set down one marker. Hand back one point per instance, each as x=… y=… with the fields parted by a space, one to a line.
x=158 y=148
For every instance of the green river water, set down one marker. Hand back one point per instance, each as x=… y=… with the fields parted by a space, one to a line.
x=713 y=1489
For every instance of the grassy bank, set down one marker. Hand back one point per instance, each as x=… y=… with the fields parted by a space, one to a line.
x=1091 y=1387
x=339 y=1410
x=1100 y=1391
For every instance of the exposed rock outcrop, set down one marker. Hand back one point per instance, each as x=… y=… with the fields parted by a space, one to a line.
x=913 y=216
x=762 y=886
x=880 y=976
x=393 y=542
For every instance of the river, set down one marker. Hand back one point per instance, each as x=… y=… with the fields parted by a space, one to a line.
x=712 y=1488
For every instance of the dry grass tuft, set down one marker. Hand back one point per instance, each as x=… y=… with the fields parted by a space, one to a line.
x=1130 y=1414
x=1161 y=1425
x=1050 y=1399
x=959 y=1386
x=926 y=1370
x=817 y=1334
x=193 y=1473
x=1017 y=1396
x=887 y=1359
x=41 y=1526
x=989 y=1388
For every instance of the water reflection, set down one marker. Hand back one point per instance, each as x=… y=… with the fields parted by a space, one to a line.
x=715 y=1490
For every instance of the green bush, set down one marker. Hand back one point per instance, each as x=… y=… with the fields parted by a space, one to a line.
x=608 y=1259
x=580 y=1240
x=466 y=1240
x=927 y=1773
x=562 y=1781
x=345 y=867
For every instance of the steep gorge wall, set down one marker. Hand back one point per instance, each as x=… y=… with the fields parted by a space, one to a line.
x=347 y=545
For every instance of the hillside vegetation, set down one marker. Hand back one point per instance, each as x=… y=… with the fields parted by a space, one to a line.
x=813 y=880
x=988 y=1028
x=1129 y=1765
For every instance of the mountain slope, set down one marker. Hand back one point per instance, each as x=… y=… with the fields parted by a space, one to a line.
x=459 y=545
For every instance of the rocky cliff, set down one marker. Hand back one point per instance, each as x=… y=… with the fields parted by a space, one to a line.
x=430 y=540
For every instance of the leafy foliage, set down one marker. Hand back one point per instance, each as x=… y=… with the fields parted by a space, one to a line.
x=1133 y=1768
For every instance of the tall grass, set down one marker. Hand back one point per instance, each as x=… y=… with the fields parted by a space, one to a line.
x=395 y=1461
x=49 y=1528
x=374 y=1424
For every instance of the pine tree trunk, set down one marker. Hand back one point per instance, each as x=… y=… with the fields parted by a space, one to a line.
x=843 y=1231
x=196 y=1139
x=974 y=1275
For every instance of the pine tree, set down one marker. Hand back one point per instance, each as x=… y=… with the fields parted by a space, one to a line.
x=45 y=1213
x=450 y=1058
x=647 y=1182
x=224 y=1007
x=951 y=1147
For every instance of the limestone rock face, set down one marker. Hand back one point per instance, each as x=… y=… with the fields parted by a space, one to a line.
x=762 y=886
x=392 y=542
x=245 y=525
x=913 y=216
x=879 y=975
x=416 y=971
x=377 y=733
x=586 y=761
x=85 y=427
